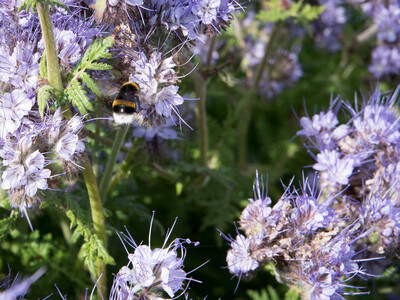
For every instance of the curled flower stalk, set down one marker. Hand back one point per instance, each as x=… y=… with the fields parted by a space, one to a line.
x=359 y=159
x=246 y=105
x=300 y=235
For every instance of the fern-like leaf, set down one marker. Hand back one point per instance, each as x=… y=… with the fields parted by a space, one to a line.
x=76 y=94
x=44 y=93
x=99 y=66
x=31 y=4
x=90 y=83
x=97 y=50
x=78 y=97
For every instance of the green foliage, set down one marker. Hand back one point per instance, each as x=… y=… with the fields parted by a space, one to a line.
x=75 y=91
x=300 y=12
x=271 y=294
x=44 y=93
x=92 y=247
x=78 y=96
x=7 y=223
x=32 y=4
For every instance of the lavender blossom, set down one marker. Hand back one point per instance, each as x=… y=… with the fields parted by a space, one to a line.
x=310 y=246
x=21 y=67
x=355 y=150
x=386 y=56
x=328 y=29
x=283 y=67
x=239 y=258
x=159 y=133
x=381 y=213
x=151 y=271
x=157 y=79
x=365 y=160
x=335 y=170
x=188 y=19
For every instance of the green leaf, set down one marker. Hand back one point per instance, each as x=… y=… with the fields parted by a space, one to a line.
x=99 y=66
x=101 y=250
x=76 y=93
x=92 y=250
x=273 y=293
x=44 y=93
x=97 y=50
x=90 y=83
x=89 y=257
x=7 y=223
x=300 y=12
x=292 y=294
x=31 y=4
x=78 y=97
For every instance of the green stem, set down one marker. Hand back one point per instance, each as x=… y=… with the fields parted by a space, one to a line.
x=202 y=121
x=124 y=168
x=103 y=141
x=96 y=139
x=53 y=71
x=96 y=207
x=201 y=107
x=106 y=178
x=245 y=108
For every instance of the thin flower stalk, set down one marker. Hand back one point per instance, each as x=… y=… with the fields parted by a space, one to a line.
x=245 y=108
x=106 y=179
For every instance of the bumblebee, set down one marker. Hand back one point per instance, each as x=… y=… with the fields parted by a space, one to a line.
x=126 y=106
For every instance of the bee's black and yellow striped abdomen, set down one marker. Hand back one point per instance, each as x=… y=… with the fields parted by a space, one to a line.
x=126 y=104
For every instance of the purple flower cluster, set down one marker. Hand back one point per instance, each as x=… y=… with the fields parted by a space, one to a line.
x=302 y=236
x=188 y=19
x=34 y=150
x=282 y=69
x=328 y=29
x=361 y=156
x=386 y=56
x=177 y=25
x=151 y=272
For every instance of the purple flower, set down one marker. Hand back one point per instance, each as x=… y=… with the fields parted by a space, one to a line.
x=18 y=288
x=21 y=67
x=239 y=259
x=335 y=168
x=206 y=10
x=381 y=213
x=377 y=123
x=69 y=144
x=387 y=19
x=13 y=107
x=309 y=211
x=385 y=61
x=162 y=132
x=328 y=29
x=158 y=94
x=151 y=271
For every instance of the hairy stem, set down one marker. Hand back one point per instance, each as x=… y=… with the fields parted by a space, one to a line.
x=201 y=107
x=245 y=108
x=106 y=179
x=124 y=168
x=53 y=71
x=96 y=206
